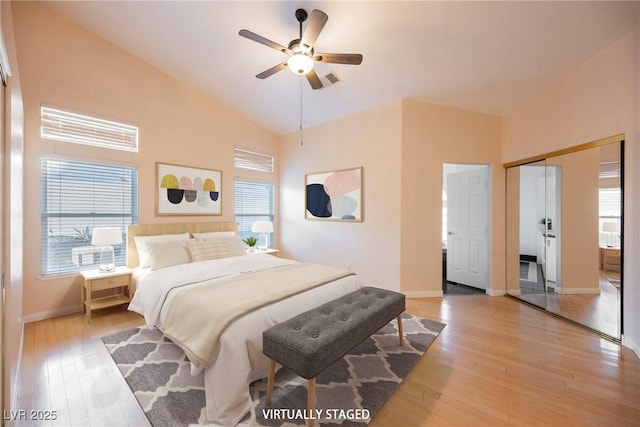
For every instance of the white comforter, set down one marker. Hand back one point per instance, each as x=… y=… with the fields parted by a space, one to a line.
x=237 y=359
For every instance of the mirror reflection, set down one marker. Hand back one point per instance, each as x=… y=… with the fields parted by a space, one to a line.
x=533 y=232
x=564 y=235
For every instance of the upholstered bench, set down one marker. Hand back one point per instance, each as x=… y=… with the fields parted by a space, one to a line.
x=312 y=341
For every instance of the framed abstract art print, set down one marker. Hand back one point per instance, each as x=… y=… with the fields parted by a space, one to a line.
x=334 y=195
x=183 y=190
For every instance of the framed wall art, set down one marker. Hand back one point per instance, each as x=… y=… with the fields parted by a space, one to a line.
x=183 y=190
x=334 y=195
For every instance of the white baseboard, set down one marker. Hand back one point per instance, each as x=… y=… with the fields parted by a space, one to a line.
x=629 y=343
x=423 y=294
x=515 y=291
x=579 y=291
x=48 y=314
x=495 y=292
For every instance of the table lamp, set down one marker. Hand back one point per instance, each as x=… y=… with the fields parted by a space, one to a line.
x=264 y=228
x=611 y=228
x=105 y=237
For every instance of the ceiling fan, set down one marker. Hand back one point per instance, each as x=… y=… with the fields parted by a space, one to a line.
x=301 y=53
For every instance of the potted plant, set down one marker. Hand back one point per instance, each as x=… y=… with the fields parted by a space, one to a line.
x=251 y=243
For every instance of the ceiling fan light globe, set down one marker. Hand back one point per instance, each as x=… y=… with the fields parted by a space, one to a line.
x=300 y=63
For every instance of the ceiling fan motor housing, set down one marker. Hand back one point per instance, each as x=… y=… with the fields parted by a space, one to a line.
x=296 y=47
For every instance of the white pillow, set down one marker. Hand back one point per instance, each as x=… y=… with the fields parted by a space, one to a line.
x=203 y=250
x=143 y=251
x=213 y=234
x=165 y=253
x=234 y=244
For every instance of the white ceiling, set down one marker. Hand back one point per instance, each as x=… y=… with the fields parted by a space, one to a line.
x=479 y=56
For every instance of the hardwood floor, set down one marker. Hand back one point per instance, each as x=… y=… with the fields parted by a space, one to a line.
x=600 y=312
x=497 y=362
x=67 y=370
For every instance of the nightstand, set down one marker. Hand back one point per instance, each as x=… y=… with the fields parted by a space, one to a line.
x=94 y=280
x=609 y=258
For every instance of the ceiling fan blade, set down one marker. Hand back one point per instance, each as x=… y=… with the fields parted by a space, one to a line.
x=256 y=38
x=317 y=20
x=339 y=58
x=314 y=80
x=271 y=71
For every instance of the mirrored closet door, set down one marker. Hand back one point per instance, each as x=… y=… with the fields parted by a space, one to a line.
x=565 y=231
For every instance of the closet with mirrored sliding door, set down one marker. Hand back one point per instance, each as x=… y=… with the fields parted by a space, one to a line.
x=564 y=233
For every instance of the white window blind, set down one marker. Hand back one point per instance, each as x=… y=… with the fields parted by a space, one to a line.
x=253 y=202
x=76 y=197
x=610 y=206
x=610 y=202
x=247 y=159
x=79 y=129
x=610 y=169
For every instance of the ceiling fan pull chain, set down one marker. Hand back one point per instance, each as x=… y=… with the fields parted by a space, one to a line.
x=301 y=77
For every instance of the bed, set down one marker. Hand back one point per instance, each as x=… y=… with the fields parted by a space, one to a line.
x=190 y=302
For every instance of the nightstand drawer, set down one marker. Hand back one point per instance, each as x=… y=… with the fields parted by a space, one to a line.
x=109 y=282
x=612 y=258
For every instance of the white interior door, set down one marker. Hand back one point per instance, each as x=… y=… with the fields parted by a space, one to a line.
x=467 y=227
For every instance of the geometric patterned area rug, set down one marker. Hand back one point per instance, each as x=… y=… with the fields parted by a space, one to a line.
x=348 y=393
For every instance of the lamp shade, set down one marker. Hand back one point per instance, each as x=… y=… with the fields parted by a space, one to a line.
x=611 y=227
x=106 y=236
x=262 y=227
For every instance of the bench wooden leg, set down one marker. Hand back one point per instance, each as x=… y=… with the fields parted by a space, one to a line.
x=311 y=401
x=270 y=379
x=400 y=329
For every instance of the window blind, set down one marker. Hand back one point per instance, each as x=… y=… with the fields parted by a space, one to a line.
x=610 y=202
x=247 y=159
x=80 y=129
x=76 y=197
x=610 y=169
x=610 y=207
x=253 y=202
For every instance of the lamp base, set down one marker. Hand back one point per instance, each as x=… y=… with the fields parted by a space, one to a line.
x=263 y=242
x=107 y=260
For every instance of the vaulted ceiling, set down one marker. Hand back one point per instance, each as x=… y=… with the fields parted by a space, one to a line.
x=479 y=56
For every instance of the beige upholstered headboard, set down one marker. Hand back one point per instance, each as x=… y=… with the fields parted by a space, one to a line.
x=155 y=229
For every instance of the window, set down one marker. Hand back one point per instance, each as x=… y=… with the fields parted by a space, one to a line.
x=610 y=220
x=79 y=129
x=76 y=197
x=253 y=202
x=247 y=159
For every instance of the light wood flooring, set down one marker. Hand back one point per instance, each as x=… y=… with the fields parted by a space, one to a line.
x=598 y=311
x=497 y=363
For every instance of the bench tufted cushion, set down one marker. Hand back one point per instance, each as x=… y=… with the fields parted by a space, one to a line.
x=312 y=341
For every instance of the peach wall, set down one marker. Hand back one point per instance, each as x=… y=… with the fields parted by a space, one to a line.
x=433 y=135
x=370 y=248
x=512 y=226
x=579 y=224
x=66 y=66
x=402 y=147
x=599 y=98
